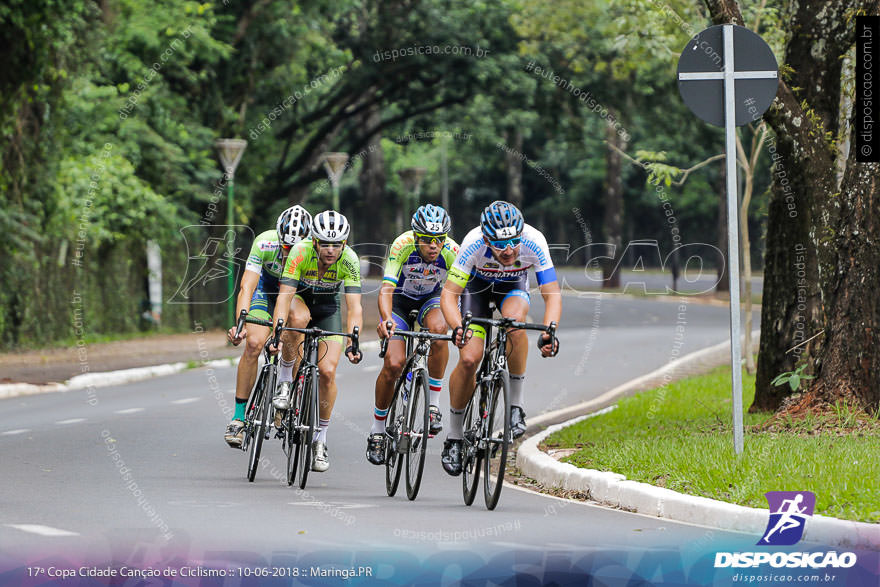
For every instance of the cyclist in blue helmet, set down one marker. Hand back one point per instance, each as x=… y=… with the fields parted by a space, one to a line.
x=491 y=269
x=414 y=273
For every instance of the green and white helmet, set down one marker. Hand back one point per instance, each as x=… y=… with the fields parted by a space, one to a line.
x=293 y=225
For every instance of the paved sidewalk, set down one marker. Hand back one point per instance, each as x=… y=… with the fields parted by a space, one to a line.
x=60 y=364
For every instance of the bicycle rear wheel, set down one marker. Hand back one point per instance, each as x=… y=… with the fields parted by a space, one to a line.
x=471 y=455
x=498 y=432
x=394 y=428
x=419 y=423
x=260 y=422
x=308 y=423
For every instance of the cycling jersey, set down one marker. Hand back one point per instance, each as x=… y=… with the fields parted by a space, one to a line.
x=411 y=275
x=475 y=259
x=301 y=272
x=266 y=254
x=265 y=259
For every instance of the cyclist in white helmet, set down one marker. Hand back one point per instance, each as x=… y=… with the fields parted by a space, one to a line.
x=258 y=292
x=309 y=296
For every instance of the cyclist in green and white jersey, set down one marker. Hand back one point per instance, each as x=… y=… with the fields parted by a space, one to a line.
x=257 y=294
x=414 y=274
x=314 y=273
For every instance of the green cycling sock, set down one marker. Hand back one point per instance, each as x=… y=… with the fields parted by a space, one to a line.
x=240 y=405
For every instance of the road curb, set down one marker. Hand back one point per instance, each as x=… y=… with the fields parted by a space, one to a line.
x=615 y=490
x=119 y=377
x=105 y=378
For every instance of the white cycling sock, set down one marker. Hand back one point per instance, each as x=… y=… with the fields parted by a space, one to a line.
x=321 y=436
x=456 y=421
x=379 y=418
x=516 y=390
x=285 y=373
x=435 y=386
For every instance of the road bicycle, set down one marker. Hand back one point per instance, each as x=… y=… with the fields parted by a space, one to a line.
x=301 y=420
x=408 y=428
x=487 y=435
x=258 y=412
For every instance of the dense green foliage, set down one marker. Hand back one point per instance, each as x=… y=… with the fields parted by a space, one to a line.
x=109 y=112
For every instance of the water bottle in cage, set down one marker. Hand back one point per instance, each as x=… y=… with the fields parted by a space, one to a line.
x=407 y=386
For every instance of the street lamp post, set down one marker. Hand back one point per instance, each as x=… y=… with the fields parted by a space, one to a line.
x=412 y=180
x=230 y=151
x=334 y=165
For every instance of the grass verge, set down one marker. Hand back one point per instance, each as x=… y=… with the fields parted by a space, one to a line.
x=679 y=437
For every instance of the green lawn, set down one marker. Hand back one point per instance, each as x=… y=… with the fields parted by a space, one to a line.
x=680 y=438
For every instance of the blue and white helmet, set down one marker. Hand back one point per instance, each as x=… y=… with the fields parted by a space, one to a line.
x=330 y=226
x=431 y=219
x=293 y=225
x=501 y=220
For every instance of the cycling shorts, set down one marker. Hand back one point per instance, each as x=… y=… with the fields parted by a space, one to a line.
x=479 y=296
x=264 y=297
x=324 y=310
x=402 y=306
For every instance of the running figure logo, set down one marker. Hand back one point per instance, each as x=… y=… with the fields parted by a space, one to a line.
x=788 y=515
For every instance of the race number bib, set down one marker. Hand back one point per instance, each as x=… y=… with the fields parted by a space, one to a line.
x=507 y=232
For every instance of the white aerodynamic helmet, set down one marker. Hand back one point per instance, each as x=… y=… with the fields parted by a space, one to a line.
x=293 y=225
x=330 y=226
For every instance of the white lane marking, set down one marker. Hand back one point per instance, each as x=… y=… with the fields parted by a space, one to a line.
x=186 y=400
x=16 y=431
x=517 y=545
x=129 y=411
x=371 y=368
x=333 y=504
x=71 y=421
x=42 y=530
x=563 y=546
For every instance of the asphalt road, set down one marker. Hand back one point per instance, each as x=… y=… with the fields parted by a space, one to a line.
x=180 y=494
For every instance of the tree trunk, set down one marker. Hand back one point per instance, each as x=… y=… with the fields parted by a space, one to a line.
x=372 y=180
x=850 y=368
x=748 y=163
x=513 y=166
x=613 y=221
x=808 y=267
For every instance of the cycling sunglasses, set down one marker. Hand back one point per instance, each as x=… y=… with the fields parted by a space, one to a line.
x=326 y=245
x=503 y=244
x=431 y=238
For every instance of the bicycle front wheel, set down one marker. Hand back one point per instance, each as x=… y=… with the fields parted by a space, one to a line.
x=308 y=423
x=419 y=424
x=260 y=423
x=499 y=438
x=394 y=438
x=471 y=455
x=292 y=422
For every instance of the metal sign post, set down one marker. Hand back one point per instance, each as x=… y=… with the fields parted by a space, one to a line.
x=747 y=70
x=230 y=151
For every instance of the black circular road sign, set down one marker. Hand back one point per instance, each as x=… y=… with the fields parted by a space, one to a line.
x=702 y=76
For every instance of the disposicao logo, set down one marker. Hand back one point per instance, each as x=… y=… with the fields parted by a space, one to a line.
x=789 y=511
